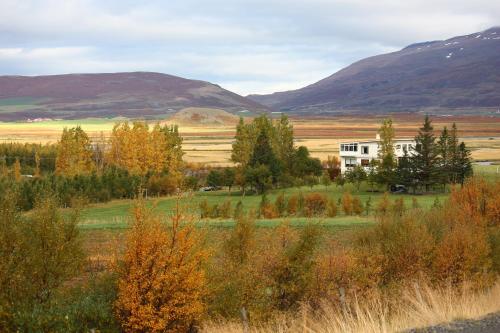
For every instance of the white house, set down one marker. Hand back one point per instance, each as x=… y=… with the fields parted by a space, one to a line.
x=362 y=152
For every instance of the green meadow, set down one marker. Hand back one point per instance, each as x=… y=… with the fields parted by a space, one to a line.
x=114 y=214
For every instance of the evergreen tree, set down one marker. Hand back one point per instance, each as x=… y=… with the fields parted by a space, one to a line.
x=263 y=154
x=304 y=165
x=443 y=147
x=386 y=154
x=464 y=169
x=425 y=156
x=404 y=172
x=453 y=153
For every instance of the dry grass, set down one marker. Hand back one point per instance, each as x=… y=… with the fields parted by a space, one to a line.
x=418 y=307
x=211 y=142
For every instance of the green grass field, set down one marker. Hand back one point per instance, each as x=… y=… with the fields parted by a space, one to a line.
x=114 y=214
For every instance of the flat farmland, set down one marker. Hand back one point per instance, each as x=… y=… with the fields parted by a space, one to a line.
x=212 y=143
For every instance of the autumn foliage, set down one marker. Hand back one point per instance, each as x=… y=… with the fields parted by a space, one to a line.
x=162 y=282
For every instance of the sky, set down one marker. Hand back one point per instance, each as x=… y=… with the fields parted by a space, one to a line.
x=245 y=46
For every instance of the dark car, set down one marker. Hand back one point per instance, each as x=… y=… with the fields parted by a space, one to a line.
x=398 y=189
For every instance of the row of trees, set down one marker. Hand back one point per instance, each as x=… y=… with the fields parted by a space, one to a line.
x=135 y=156
x=266 y=156
x=135 y=148
x=431 y=162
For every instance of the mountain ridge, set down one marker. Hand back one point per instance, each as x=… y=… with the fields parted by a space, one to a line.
x=455 y=74
x=128 y=94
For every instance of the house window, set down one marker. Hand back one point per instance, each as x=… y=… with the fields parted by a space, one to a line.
x=398 y=147
x=365 y=162
x=405 y=147
x=364 y=150
x=350 y=162
x=349 y=147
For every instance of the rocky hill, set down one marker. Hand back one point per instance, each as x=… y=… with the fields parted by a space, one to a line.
x=460 y=75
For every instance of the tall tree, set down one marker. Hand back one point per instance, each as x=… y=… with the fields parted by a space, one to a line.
x=243 y=144
x=404 y=172
x=425 y=156
x=453 y=152
x=386 y=154
x=263 y=154
x=174 y=152
x=304 y=164
x=443 y=148
x=464 y=165
x=74 y=153
x=283 y=142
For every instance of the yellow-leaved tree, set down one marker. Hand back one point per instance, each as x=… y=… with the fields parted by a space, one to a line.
x=74 y=153
x=162 y=281
x=140 y=150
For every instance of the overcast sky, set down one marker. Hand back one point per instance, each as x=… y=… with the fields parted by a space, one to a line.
x=246 y=46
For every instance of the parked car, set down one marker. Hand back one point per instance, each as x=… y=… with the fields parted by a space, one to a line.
x=208 y=189
x=398 y=189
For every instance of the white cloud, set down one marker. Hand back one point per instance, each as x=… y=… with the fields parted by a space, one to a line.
x=249 y=46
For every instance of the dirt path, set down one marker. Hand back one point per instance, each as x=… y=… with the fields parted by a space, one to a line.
x=488 y=324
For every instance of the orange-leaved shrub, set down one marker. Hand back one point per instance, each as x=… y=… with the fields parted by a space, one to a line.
x=347 y=203
x=292 y=206
x=161 y=281
x=315 y=204
x=357 y=206
x=478 y=200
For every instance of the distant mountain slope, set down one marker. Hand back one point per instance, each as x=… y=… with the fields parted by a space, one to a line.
x=461 y=73
x=138 y=94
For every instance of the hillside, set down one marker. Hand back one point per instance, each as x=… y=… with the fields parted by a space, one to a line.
x=460 y=74
x=203 y=116
x=134 y=95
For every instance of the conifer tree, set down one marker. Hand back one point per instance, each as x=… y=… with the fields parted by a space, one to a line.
x=464 y=167
x=263 y=154
x=443 y=147
x=404 y=172
x=425 y=156
x=453 y=153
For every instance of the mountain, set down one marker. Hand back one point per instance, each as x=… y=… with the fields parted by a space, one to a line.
x=460 y=74
x=133 y=95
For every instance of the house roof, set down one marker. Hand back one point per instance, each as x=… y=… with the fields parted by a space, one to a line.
x=376 y=141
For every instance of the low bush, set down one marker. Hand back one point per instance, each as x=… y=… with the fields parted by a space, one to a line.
x=315 y=204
